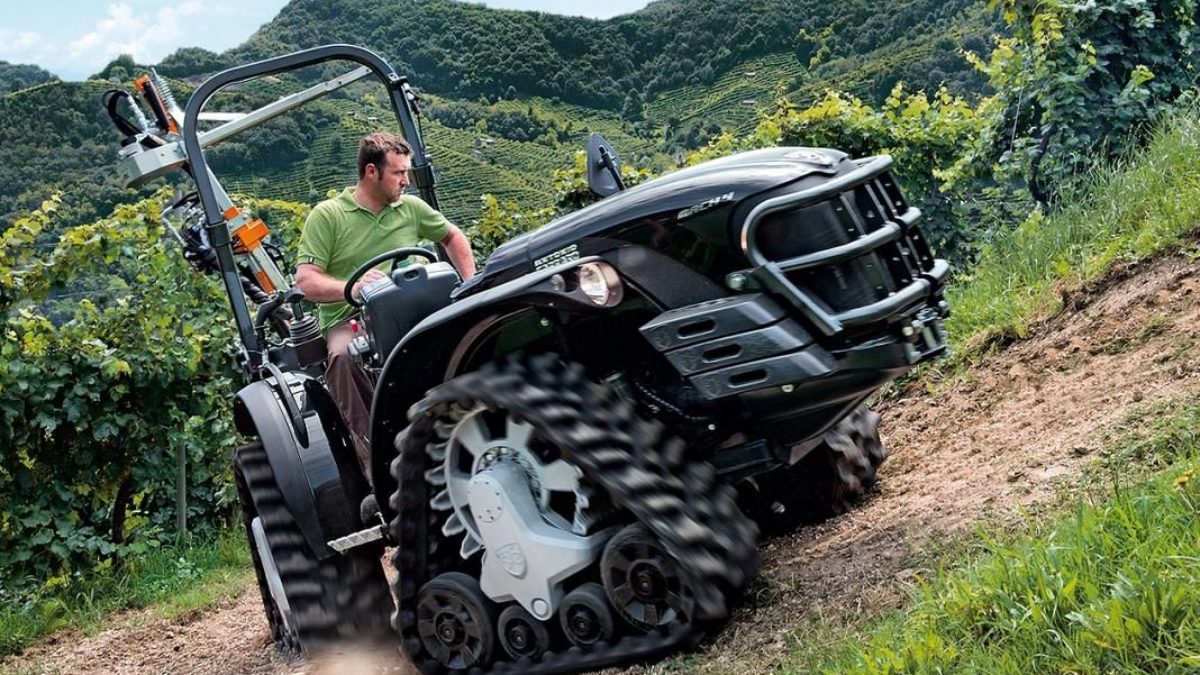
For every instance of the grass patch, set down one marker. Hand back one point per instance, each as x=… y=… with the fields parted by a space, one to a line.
x=1125 y=213
x=1152 y=437
x=1111 y=586
x=1116 y=588
x=1129 y=212
x=176 y=579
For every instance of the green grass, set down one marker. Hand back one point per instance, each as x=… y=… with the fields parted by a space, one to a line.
x=1123 y=214
x=1151 y=437
x=175 y=579
x=1112 y=586
x=1113 y=589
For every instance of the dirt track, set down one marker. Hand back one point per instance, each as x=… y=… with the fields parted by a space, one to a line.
x=983 y=447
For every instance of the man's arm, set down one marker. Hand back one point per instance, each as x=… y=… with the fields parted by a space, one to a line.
x=318 y=286
x=458 y=247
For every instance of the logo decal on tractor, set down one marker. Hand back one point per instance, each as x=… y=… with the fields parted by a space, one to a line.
x=512 y=558
x=704 y=206
x=563 y=255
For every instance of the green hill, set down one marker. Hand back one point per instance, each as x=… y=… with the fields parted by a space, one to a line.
x=509 y=96
x=467 y=50
x=17 y=76
x=53 y=136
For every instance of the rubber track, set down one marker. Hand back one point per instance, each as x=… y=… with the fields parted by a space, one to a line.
x=828 y=480
x=340 y=598
x=859 y=450
x=286 y=642
x=645 y=473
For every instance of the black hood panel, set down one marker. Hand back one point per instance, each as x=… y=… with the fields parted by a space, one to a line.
x=676 y=197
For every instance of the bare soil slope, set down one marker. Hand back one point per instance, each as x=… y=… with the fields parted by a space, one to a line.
x=988 y=446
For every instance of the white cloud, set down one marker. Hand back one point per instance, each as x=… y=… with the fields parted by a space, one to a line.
x=122 y=31
x=20 y=46
x=25 y=40
x=76 y=42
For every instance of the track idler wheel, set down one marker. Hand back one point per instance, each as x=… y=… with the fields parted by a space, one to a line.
x=521 y=635
x=585 y=616
x=455 y=621
x=643 y=581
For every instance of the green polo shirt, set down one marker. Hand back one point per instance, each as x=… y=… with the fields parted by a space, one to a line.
x=340 y=235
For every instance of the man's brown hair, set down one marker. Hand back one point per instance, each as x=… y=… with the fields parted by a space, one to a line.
x=373 y=149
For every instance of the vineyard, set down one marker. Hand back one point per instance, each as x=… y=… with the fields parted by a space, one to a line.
x=116 y=367
x=473 y=161
x=468 y=162
x=115 y=359
x=735 y=101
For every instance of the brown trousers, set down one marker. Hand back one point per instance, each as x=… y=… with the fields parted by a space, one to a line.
x=352 y=391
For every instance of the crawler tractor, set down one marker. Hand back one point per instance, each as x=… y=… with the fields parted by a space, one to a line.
x=574 y=451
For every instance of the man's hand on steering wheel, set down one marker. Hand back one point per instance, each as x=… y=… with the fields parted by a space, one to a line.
x=367 y=277
x=366 y=272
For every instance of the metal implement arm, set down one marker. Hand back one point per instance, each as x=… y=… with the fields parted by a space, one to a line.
x=147 y=165
x=273 y=110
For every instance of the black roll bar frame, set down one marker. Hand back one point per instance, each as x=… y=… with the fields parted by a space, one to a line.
x=403 y=105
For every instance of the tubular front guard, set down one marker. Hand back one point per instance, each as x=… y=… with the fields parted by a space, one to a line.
x=843 y=295
x=876 y=229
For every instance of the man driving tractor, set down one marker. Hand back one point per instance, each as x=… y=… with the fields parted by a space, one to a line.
x=370 y=218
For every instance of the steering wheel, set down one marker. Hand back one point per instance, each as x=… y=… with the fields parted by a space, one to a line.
x=382 y=257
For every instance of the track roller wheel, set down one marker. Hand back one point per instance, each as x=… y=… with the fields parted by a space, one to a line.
x=521 y=635
x=642 y=580
x=455 y=621
x=586 y=617
x=636 y=467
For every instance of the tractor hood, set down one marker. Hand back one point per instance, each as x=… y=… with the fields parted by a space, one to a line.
x=673 y=199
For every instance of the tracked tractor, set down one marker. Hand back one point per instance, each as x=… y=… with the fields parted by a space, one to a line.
x=573 y=452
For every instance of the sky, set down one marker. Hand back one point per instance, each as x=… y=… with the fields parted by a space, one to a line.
x=76 y=38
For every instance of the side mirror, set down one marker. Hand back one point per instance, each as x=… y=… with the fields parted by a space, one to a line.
x=603 y=167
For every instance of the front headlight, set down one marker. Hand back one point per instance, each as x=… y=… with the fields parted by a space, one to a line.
x=594 y=283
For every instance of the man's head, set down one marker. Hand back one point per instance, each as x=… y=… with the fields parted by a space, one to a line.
x=383 y=163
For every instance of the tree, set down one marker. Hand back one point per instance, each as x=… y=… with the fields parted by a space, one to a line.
x=1078 y=82
x=189 y=61
x=14 y=77
x=121 y=68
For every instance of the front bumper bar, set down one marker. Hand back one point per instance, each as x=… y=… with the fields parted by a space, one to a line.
x=896 y=231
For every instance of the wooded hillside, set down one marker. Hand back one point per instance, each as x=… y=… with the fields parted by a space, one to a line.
x=511 y=94
x=14 y=76
x=468 y=50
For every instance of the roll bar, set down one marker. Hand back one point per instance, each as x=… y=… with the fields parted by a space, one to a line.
x=403 y=104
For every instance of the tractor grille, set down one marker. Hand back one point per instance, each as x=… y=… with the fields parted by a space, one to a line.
x=846 y=253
